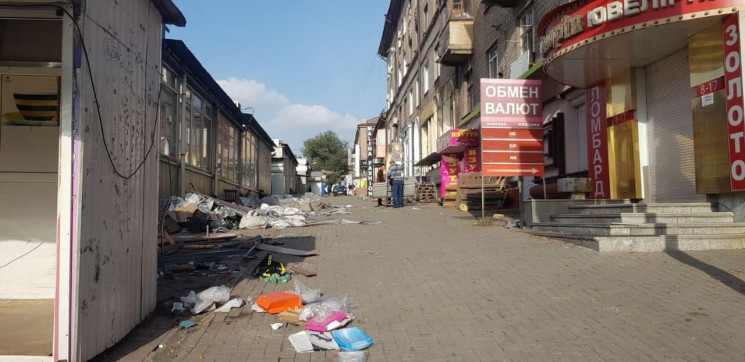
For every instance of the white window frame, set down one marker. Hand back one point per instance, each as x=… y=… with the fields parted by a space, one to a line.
x=416 y=93
x=492 y=57
x=425 y=78
x=527 y=36
x=411 y=102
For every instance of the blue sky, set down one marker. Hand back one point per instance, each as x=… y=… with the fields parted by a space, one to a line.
x=303 y=66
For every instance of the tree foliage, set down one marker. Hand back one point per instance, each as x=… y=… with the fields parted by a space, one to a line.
x=326 y=152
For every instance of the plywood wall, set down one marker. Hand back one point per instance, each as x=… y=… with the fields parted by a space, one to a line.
x=116 y=285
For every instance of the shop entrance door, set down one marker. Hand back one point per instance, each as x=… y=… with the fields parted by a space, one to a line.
x=672 y=176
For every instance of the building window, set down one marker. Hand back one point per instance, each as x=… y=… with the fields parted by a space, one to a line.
x=458 y=7
x=406 y=66
x=227 y=150
x=411 y=103
x=169 y=131
x=425 y=78
x=198 y=130
x=249 y=158
x=493 y=59
x=425 y=17
x=416 y=93
x=399 y=76
x=526 y=31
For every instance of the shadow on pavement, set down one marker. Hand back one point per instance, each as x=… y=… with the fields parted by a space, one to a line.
x=724 y=277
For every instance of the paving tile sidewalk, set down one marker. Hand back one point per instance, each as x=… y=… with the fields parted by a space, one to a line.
x=431 y=286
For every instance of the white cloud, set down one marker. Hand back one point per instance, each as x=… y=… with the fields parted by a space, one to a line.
x=284 y=120
x=250 y=93
x=312 y=118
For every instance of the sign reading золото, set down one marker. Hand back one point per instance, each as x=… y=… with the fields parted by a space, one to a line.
x=511 y=127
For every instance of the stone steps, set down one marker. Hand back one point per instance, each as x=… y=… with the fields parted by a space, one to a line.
x=627 y=226
x=645 y=218
x=698 y=207
x=655 y=243
x=611 y=229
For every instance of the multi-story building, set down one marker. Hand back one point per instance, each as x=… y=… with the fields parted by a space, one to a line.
x=427 y=45
x=206 y=143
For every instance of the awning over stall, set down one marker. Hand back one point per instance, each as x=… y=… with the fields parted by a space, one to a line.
x=431 y=159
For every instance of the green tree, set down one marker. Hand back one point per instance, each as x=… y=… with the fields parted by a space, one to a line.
x=326 y=152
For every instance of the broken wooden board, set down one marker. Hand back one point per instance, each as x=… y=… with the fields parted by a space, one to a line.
x=190 y=238
x=283 y=250
x=305 y=269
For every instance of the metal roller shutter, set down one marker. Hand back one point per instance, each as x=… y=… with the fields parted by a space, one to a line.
x=670 y=131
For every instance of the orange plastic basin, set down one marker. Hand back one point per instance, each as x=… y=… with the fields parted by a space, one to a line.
x=279 y=302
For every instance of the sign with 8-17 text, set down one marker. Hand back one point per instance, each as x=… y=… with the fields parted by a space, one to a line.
x=511 y=127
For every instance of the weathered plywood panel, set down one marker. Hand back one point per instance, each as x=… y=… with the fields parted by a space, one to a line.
x=197 y=181
x=264 y=168
x=118 y=217
x=168 y=183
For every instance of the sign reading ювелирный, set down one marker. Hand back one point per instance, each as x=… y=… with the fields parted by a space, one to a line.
x=511 y=127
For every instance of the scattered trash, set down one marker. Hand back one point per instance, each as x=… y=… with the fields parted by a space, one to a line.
x=499 y=217
x=206 y=298
x=184 y=268
x=288 y=251
x=280 y=301
x=352 y=339
x=233 y=303
x=276 y=278
x=276 y=326
x=187 y=324
x=308 y=295
x=291 y=316
x=328 y=323
x=301 y=342
x=416 y=208
x=255 y=307
x=350 y=356
x=268 y=267
x=160 y=346
x=324 y=309
x=288 y=236
x=322 y=340
x=178 y=307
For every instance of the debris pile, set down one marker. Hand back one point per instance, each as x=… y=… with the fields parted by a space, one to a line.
x=202 y=213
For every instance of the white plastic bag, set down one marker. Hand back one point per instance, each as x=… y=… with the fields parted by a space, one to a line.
x=233 y=303
x=309 y=295
x=353 y=356
x=210 y=296
x=324 y=309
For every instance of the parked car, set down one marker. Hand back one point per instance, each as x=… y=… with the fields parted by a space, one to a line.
x=339 y=190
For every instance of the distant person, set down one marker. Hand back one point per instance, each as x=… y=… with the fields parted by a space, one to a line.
x=380 y=177
x=396 y=175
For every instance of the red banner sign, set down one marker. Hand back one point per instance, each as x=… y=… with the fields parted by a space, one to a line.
x=582 y=21
x=511 y=127
x=734 y=85
x=710 y=87
x=597 y=142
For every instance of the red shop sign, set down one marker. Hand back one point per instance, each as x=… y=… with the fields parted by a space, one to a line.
x=581 y=21
x=734 y=90
x=597 y=142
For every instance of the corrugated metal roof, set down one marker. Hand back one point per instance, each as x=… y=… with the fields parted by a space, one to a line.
x=170 y=12
x=185 y=58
